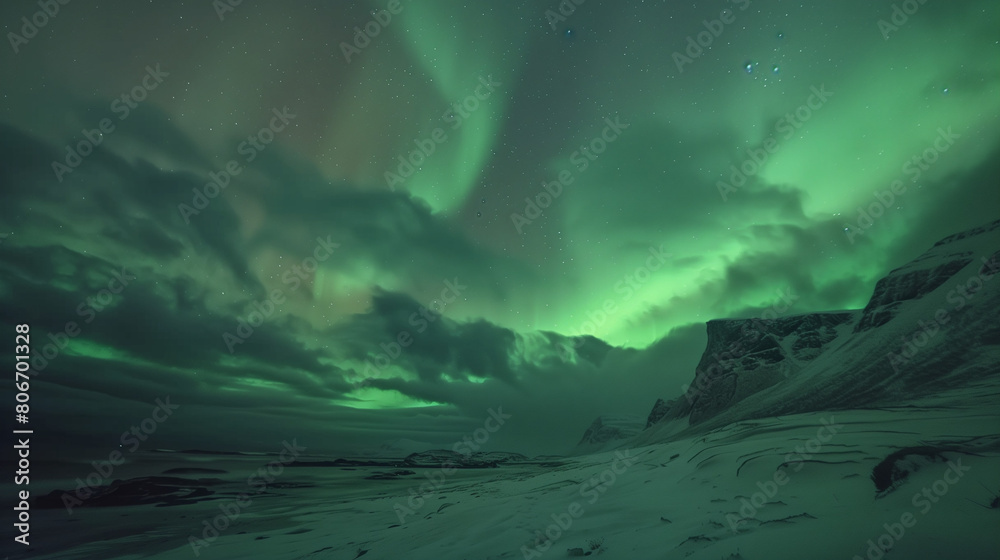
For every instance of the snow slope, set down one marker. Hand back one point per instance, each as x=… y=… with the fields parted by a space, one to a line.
x=712 y=496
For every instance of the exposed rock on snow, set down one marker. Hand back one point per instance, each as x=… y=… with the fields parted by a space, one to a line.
x=449 y=458
x=611 y=428
x=660 y=409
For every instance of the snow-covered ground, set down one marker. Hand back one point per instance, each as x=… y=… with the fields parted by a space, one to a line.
x=789 y=487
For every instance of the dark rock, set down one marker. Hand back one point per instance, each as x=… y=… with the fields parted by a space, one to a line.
x=611 y=428
x=157 y=490
x=660 y=410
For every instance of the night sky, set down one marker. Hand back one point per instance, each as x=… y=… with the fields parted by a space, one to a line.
x=372 y=191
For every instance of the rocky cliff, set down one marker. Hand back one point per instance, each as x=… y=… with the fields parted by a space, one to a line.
x=927 y=324
x=744 y=356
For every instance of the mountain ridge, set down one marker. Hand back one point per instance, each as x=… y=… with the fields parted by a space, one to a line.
x=928 y=324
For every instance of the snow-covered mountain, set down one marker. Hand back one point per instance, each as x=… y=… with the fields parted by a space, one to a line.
x=930 y=325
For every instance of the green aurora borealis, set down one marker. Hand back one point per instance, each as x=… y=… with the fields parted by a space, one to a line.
x=653 y=190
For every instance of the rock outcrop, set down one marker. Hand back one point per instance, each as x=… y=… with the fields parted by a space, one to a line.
x=660 y=410
x=610 y=428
